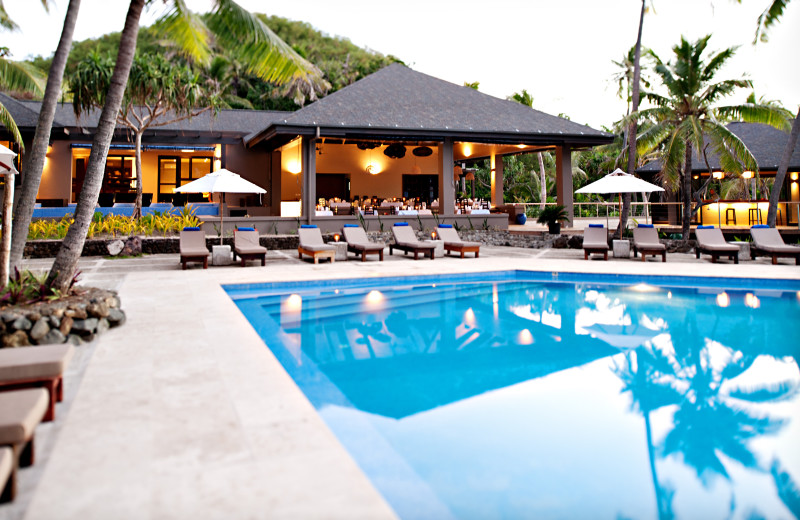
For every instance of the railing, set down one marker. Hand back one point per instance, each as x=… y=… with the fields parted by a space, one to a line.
x=789 y=214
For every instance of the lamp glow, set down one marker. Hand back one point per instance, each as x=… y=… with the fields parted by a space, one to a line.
x=793 y=176
x=723 y=300
x=752 y=301
x=294 y=303
x=294 y=167
x=747 y=175
x=469 y=317
x=373 y=169
x=375 y=297
x=718 y=175
x=524 y=337
x=467 y=150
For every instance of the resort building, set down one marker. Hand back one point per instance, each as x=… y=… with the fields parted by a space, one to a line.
x=397 y=140
x=767 y=144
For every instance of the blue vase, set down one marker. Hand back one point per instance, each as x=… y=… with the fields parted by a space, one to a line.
x=521 y=219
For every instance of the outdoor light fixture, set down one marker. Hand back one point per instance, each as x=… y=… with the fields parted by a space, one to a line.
x=373 y=169
x=747 y=175
x=718 y=175
x=187 y=150
x=793 y=176
x=467 y=150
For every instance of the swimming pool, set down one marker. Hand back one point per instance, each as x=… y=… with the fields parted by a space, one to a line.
x=551 y=395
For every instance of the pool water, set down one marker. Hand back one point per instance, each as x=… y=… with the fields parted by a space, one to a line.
x=530 y=395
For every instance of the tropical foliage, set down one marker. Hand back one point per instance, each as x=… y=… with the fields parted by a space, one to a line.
x=27 y=287
x=17 y=76
x=116 y=225
x=687 y=121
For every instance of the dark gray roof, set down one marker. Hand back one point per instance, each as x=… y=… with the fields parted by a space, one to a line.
x=243 y=122
x=398 y=99
x=765 y=142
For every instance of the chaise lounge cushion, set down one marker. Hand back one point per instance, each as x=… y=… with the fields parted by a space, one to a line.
x=595 y=238
x=311 y=239
x=193 y=242
x=449 y=236
x=647 y=238
x=356 y=238
x=20 y=412
x=34 y=363
x=246 y=242
x=404 y=236
x=711 y=239
x=769 y=239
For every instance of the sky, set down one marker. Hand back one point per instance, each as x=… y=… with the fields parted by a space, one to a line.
x=560 y=51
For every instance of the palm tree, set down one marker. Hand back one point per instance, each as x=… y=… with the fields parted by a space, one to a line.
x=34 y=163
x=526 y=99
x=17 y=76
x=686 y=118
x=266 y=54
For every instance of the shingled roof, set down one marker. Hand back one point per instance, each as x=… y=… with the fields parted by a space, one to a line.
x=239 y=122
x=399 y=102
x=765 y=142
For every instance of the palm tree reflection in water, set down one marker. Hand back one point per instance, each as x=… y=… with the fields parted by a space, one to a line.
x=713 y=415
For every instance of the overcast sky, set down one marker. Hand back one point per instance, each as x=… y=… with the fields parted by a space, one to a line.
x=560 y=51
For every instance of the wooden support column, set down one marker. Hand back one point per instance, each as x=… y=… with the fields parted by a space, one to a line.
x=497 y=167
x=275 y=182
x=309 y=187
x=447 y=187
x=564 y=195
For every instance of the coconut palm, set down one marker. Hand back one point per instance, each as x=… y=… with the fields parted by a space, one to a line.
x=17 y=76
x=34 y=163
x=232 y=26
x=686 y=119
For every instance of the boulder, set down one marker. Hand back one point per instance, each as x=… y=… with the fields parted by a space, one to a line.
x=133 y=247
x=115 y=247
x=22 y=323
x=97 y=310
x=66 y=325
x=39 y=329
x=102 y=326
x=52 y=337
x=75 y=339
x=84 y=327
x=116 y=317
x=17 y=339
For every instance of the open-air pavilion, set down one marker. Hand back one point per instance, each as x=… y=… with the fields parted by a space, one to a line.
x=340 y=146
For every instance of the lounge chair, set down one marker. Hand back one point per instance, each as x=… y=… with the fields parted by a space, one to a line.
x=358 y=243
x=193 y=246
x=595 y=240
x=311 y=244
x=406 y=241
x=645 y=241
x=20 y=412
x=8 y=475
x=453 y=242
x=246 y=245
x=767 y=241
x=711 y=242
x=41 y=366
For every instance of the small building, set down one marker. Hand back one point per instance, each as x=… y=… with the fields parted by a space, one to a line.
x=767 y=145
x=397 y=135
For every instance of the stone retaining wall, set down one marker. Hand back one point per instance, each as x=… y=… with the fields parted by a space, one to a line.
x=161 y=245
x=77 y=318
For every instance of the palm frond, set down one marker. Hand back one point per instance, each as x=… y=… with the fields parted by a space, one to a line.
x=733 y=154
x=722 y=89
x=777 y=117
x=672 y=160
x=651 y=138
x=716 y=62
x=770 y=393
x=264 y=53
x=8 y=121
x=768 y=18
x=187 y=30
x=17 y=75
x=5 y=21
x=787 y=488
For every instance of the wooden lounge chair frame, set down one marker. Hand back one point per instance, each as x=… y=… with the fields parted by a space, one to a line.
x=54 y=383
x=644 y=248
x=453 y=242
x=194 y=256
x=314 y=245
x=716 y=250
x=244 y=255
x=23 y=454
x=781 y=250
x=406 y=247
x=594 y=249
x=8 y=474
x=360 y=245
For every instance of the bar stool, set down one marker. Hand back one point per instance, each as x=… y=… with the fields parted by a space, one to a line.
x=730 y=214
x=753 y=216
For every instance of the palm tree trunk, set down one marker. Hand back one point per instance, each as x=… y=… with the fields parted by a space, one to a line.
x=67 y=258
x=780 y=176
x=34 y=164
x=542 y=182
x=637 y=75
x=686 y=192
x=137 y=211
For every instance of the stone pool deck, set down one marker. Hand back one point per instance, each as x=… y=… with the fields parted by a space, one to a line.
x=184 y=413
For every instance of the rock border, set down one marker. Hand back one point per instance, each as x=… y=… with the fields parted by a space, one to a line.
x=76 y=319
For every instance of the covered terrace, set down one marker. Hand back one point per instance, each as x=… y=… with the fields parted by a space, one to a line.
x=398 y=138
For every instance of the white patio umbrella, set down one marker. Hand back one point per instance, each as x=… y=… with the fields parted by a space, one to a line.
x=624 y=337
x=619 y=182
x=221 y=181
x=8 y=170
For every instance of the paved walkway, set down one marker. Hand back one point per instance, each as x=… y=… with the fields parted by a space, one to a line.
x=184 y=413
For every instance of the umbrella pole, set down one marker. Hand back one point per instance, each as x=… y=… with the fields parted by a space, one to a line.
x=222 y=219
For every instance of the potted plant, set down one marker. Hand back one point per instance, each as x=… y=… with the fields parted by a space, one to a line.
x=552 y=216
